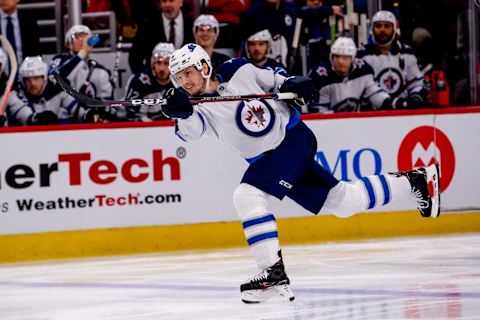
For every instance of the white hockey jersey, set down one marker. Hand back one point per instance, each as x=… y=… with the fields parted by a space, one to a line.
x=21 y=107
x=357 y=91
x=249 y=128
x=397 y=72
x=85 y=75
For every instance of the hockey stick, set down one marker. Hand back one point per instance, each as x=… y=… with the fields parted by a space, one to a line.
x=13 y=72
x=94 y=103
x=425 y=70
x=295 y=44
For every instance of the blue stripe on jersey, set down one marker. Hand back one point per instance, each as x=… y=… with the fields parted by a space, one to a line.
x=248 y=223
x=71 y=105
x=378 y=91
x=386 y=189
x=261 y=237
x=294 y=119
x=252 y=160
x=371 y=193
x=204 y=127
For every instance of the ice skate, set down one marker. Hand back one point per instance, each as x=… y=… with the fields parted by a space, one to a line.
x=271 y=282
x=429 y=205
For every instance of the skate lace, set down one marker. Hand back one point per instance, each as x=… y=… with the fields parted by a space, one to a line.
x=262 y=276
x=421 y=203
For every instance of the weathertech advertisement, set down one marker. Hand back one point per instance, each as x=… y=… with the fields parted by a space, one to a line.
x=145 y=176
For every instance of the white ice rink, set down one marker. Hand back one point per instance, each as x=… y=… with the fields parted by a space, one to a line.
x=408 y=278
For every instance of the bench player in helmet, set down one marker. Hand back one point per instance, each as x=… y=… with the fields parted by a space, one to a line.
x=257 y=49
x=280 y=150
x=206 y=30
x=152 y=81
x=346 y=83
x=395 y=64
x=86 y=75
x=38 y=101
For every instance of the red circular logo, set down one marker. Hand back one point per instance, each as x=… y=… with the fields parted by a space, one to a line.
x=424 y=146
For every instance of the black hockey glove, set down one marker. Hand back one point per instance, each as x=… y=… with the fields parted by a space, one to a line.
x=43 y=118
x=302 y=86
x=415 y=101
x=394 y=103
x=177 y=105
x=98 y=115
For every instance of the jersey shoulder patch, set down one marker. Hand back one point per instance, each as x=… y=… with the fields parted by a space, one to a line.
x=361 y=68
x=227 y=69
x=365 y=50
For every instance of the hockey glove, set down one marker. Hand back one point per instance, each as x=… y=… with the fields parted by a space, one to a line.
x=415 y=101
x=177 y=105
x=98 y=115
x=43 y=118
x=302 y=86
x=397 y=103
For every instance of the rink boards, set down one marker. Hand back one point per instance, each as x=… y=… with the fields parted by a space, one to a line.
x=84 y=190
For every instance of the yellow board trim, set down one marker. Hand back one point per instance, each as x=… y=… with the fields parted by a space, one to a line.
x=104 y=242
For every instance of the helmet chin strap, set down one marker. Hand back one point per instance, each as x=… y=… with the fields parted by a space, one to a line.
x=207 y=83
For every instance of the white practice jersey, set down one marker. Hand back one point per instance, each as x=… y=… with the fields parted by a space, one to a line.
x=248 y=127
x=21 y=107
x=395 y=69
x=78 y=71
x=355 y=92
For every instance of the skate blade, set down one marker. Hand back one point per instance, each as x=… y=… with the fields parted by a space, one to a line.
x=433 y=176
x=259 y=296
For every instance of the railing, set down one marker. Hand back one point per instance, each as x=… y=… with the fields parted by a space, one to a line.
x=108 y=35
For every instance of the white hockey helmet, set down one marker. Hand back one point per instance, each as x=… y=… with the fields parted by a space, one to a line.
x=343 y=46
x=162 y=50
x=79 y=28
x=385 y=16
x=206 y=20
x=32 y=67
x=189 y=55
x=262 y=35
x=3 y=60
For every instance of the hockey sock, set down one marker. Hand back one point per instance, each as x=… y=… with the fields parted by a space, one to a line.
x=259 y=224
x=346 y=199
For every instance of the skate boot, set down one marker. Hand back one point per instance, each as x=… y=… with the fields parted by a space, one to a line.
x=272 y=281
x=428 y=204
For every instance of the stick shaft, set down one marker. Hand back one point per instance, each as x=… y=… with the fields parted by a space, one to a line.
x=94 y=103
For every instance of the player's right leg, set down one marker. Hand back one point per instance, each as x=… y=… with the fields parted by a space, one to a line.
x=346 y=199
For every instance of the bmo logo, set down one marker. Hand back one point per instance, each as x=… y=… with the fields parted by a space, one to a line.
x=424 y=146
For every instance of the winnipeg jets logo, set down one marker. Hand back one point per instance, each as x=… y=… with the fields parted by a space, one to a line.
x=390 y=80
x=255 y=118
x=145 y=79
x=322 y=71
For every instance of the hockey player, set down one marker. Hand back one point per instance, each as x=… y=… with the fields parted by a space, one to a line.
x=346 y=83
x=38 y=101
x=258 y=47
x=395 y=65
x=206 y=30
x=86 y=75
x=280 y=150
x=150 y=82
